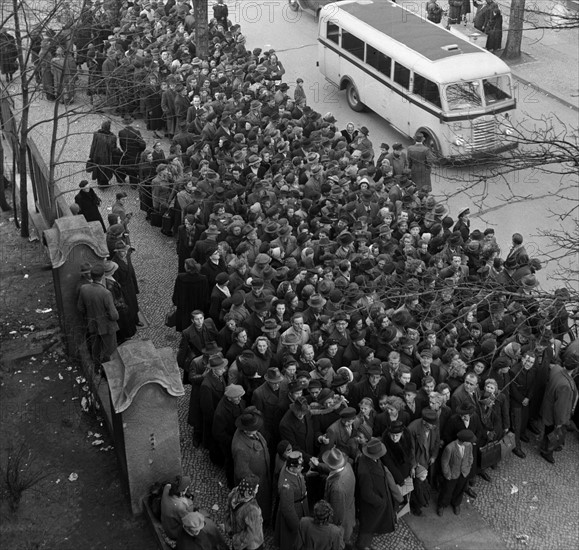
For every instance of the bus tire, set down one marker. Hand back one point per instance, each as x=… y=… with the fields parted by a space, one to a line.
x=294 y=5
x=353 y=98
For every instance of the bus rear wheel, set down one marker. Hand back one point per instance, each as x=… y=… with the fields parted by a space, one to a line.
x=353 y=98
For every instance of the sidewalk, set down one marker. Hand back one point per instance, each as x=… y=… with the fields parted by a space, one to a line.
x=549 y=63
x=468 y=531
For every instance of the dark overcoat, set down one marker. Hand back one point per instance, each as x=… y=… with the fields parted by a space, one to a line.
x=377 y=496
x=190 y=292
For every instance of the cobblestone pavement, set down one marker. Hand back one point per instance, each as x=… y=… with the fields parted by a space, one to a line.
x=550 y=520
x=533 y=504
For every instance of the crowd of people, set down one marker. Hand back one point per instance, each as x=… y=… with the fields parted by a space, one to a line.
x=351 y=347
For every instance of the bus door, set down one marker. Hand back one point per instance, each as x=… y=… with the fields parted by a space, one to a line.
x=331 y=58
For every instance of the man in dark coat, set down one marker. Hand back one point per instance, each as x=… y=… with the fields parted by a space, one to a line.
x=132 y=145
x=372 y=386
x=102 y=150
x=226 y=413
x=559 y=403
x=219 y=294
x=96 y=305
x=191 y=292
x=127 y=278
x=266 y=399
x=196 y=336
x=420 y=160
x=378 y=494
x=296 y=426
x=88 y=202
x=211 y=391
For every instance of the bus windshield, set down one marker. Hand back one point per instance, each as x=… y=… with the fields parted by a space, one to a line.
x=469 y=94
x=464 y=95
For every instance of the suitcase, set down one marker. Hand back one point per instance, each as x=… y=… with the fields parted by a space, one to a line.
x=156 y=219
x=489 y=455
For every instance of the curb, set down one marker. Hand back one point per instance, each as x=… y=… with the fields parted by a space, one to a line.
x=546 y=92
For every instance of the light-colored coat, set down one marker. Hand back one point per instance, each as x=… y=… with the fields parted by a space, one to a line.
x=340 y=493
x=453 y=465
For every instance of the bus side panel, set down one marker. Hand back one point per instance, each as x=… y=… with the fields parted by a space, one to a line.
x=381 y=99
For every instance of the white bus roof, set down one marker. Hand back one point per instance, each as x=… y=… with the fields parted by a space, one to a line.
x=436 y=48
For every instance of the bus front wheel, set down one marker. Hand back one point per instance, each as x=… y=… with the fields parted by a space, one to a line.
x=431 y=141
x=353 y=98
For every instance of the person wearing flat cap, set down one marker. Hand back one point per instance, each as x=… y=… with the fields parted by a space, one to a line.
x=200 y=533
x=425 y=435
x=293 y=501
x=378 y=494
x=251 y=456
x=456 y=463
x=340 y=491
x=175 y=505
x=244 y=520
x=226 y=413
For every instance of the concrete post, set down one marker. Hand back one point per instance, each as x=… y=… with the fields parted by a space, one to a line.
x=144 y=385
x=70 y=242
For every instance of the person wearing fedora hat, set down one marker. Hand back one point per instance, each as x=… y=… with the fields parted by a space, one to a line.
x=341 y=434
x=314 y=311
x=127 y=326
x=251 y=456
x=296 y=426
x=378 y=494
x=420 y=161
x=340 y=491
x=293 y=501
x=211 y=391
x=266 y=399
x=425 y=435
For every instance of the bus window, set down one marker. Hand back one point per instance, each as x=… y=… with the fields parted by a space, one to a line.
x=497 y=88
x=463 y=95
x=401 y=75
x=426 y=89
x=333 y=32
x=378 y=60
x=353 y=44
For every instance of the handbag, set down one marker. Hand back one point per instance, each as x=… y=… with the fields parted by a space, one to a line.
x=171 y=319
x=90 y=166
x=507 y=444
x=489 y=455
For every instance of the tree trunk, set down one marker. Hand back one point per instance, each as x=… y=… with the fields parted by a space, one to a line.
x=515 y=34
x=22 y=145
x=4 y=206
x=200 y=11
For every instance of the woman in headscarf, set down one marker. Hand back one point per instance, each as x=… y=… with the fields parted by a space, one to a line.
x=244 y=521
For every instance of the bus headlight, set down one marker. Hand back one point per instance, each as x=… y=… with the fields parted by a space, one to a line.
x=460 y=141
x=508 y=132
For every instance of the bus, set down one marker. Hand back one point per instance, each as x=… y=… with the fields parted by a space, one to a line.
x=419 y=77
